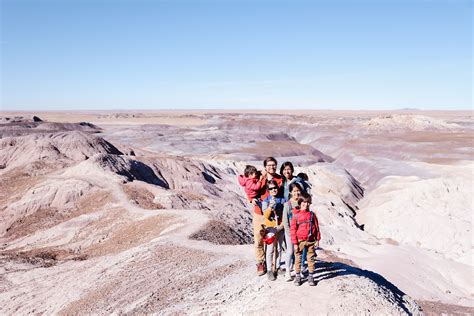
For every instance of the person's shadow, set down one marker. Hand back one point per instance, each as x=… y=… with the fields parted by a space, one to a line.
x=326 y=270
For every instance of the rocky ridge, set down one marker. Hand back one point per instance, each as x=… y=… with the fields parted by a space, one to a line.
x=90 y=215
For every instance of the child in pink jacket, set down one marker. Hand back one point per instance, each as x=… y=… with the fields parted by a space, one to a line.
x=252 y=183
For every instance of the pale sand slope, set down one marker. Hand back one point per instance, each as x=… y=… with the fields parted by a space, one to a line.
x=146 y=278
x=164 y=270
x=425 y=248
x=431 y=218
x=337 y=229
x=433 y=212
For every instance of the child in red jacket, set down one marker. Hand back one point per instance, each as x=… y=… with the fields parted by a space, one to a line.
x=252 y=183
x=304 y=235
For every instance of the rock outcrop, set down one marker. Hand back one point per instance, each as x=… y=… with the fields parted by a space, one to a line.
x=52 y=148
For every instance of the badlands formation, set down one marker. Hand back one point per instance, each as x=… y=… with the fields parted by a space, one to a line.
x=141 y=212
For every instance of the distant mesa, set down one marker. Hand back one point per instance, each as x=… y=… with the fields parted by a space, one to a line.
x=280 y=137
x=408 y=122
x=20 y=126
x=120 y=115
x=21 y=119
x=87 y=124
x=16 y=119
x=409 y=109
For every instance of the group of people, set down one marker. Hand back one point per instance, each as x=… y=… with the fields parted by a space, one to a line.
x=285 y=229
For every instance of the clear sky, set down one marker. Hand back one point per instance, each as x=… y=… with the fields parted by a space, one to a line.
x=144 y=54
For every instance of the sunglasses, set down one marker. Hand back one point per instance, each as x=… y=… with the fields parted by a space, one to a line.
x=273 y=188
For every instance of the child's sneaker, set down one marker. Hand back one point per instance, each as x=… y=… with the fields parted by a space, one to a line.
x=271 y=276
x=288 y=277
x=297 y=279
x=311 y=280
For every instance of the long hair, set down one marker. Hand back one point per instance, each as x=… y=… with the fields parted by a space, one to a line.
x=295 y=185
x=283 y=166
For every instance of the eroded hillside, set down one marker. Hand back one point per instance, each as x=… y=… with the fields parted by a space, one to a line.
x=149 y=218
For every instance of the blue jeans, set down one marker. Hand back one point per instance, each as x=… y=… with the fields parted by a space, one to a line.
x=303 y=259
x=290 y=256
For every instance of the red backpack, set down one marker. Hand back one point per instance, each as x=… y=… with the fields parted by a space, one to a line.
x=310 y=223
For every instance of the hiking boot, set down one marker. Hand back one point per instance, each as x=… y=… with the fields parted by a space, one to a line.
x=311 y=280
x=271 y=276
x=297 y=279
x=288 y=277
x=261 y=269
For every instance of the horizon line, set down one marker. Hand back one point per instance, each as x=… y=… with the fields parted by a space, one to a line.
x=279 y=109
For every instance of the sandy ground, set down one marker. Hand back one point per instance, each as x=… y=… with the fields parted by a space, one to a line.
x=142 y=213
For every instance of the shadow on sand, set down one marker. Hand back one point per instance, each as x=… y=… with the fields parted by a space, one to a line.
x=326 y=270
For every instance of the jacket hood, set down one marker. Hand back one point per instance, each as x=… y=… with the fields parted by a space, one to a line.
x=242 y=180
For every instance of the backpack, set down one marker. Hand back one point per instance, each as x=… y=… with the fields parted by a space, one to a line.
x=311 y=217
x=290 y=211
x=307 y=186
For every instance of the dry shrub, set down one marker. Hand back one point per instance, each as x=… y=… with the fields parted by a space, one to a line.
x=142 y=197
x=220 y=233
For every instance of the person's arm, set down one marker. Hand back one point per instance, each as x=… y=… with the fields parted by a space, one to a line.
x=267 y=212
x=267 y=208
x=263 y=189
x=255 y=186
x=285 y=221
x=241 y=180
x=316 y=225
x=279 y=213
x=264 y=205
x=293 y=228
x=263 y=178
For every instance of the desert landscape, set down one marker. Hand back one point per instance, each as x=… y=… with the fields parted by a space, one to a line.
x=140 y=212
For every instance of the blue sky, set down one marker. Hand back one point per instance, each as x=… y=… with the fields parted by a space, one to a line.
x=116 y=54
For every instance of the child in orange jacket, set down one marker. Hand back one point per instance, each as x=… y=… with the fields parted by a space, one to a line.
x=273 y=215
